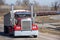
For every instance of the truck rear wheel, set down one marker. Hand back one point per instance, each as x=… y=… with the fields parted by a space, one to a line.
x=6 y=30
x=35 y=36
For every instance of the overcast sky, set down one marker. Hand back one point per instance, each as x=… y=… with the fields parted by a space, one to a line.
x=41 y=2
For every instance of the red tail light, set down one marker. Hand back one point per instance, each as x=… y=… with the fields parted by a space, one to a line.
x=34 y=27
x=17 y=28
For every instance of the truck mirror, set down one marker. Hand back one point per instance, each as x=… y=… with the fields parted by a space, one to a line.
x=34 y=15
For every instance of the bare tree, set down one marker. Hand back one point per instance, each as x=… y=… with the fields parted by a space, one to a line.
x=36 y=6
x=1 y=2
x=26 y=3
x=55 y=6
x=18 y=2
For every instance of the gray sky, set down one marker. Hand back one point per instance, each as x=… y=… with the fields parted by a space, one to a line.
x=41 y=2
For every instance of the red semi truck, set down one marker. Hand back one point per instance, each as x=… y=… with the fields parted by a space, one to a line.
x=20 y=23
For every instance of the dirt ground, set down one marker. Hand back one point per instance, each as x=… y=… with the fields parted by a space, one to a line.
x=46 y=19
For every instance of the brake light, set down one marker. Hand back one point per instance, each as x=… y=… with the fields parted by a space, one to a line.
x=17 y=28
x=34 y=27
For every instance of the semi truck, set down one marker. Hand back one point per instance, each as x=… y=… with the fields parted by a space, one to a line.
x=20 y=23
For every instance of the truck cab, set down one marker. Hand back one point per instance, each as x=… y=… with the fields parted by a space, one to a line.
x=23 y=24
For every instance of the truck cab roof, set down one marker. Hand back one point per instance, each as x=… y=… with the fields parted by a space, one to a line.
x=20 y=11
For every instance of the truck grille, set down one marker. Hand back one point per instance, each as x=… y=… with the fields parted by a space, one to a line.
x=26 y=25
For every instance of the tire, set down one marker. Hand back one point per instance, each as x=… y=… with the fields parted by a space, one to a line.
x=6 y=30
x=35 y=36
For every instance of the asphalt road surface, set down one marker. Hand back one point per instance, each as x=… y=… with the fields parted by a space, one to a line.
x=41 y=36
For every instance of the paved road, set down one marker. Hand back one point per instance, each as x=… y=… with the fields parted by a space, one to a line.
x=41 y=36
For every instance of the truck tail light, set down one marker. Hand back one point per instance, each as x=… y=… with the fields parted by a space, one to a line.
x=17 y=28
x=34 y=27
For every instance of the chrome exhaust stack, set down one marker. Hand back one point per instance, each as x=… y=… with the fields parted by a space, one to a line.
x=32 y=13
x=12 y=14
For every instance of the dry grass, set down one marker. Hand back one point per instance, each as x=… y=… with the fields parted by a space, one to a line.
x=45 y=19
x=46 y=30
x=1 y=19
